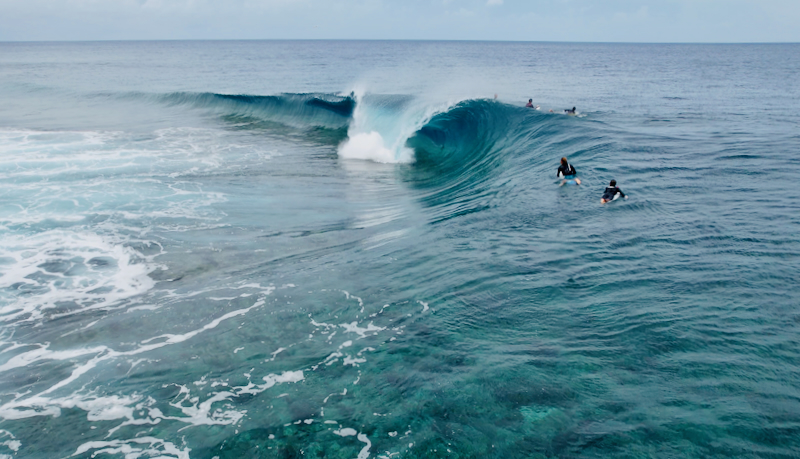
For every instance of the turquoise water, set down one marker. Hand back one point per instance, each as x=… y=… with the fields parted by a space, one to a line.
x=361 y=249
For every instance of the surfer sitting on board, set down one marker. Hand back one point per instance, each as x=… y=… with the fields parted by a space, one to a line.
x=566 y=170
x=612 y=192
x=570 y=112
x=529 y=104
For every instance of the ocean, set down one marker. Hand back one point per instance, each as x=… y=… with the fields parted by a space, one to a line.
x=360 y=249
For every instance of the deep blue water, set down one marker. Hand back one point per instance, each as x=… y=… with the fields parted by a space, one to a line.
x=361 y=249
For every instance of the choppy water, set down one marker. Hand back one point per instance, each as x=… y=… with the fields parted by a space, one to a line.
x=352 y=250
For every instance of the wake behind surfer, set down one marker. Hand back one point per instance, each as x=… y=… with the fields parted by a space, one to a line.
x=612 y=192
x=567 y=171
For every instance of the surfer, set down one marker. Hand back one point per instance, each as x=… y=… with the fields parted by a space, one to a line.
x=530 y=105
x=570 y=112
x=566 y=170
x=612 y=192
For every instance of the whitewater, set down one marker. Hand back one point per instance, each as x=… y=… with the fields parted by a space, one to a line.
x=338 y=249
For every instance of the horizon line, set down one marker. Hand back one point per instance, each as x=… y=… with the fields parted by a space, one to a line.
x=139 y=40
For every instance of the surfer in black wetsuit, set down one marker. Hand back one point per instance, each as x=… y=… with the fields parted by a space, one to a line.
x=612 y=190
x=566 y=170
x=529 y=104
x=570 y=112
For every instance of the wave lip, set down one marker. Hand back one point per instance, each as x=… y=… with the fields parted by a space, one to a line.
x=382 y=125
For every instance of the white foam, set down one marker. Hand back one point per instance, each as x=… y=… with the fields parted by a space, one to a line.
x=346 y=432
x=344 y=392
x=106 y=408
x=353 y=361
x=275 y=354
x=369 y=145
x=364 y=454
x=113 y=407
x=424 y=305
x=41 y=352
x=349 y=432
x=196 y=404
x=378 y=134
x=156 y=448
x=199 y=413
x=361 y=331
x=61 y=267
x=12 y=444
x=42 y=167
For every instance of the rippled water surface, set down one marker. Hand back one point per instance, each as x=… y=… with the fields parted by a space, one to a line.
x=361 y=249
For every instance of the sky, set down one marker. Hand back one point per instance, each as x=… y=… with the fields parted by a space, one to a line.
x=643 y=21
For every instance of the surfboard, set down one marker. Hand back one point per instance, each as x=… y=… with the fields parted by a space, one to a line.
x=570 y=181
x=607 y=198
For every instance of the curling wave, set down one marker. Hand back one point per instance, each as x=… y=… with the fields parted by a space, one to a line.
x=460 y=152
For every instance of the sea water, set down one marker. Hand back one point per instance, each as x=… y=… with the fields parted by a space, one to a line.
x=361 y=250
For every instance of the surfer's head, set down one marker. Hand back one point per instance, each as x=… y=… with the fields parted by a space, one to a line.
x=613 y=183
x=564 y=161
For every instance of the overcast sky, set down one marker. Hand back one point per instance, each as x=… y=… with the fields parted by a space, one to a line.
x=527 y=20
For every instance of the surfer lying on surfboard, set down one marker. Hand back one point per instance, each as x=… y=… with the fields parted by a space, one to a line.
x=567 y=111
x=567 y=172
x=612 y=192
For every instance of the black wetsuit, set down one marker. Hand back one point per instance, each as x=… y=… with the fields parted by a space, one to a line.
x=564 y=171
x=612 y=191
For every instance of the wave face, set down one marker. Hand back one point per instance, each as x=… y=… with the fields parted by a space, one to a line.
x=459 y=154
x=300 y=109
x=465 y=141
x=329 y=115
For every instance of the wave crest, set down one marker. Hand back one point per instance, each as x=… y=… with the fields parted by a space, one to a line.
x=301 y=111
